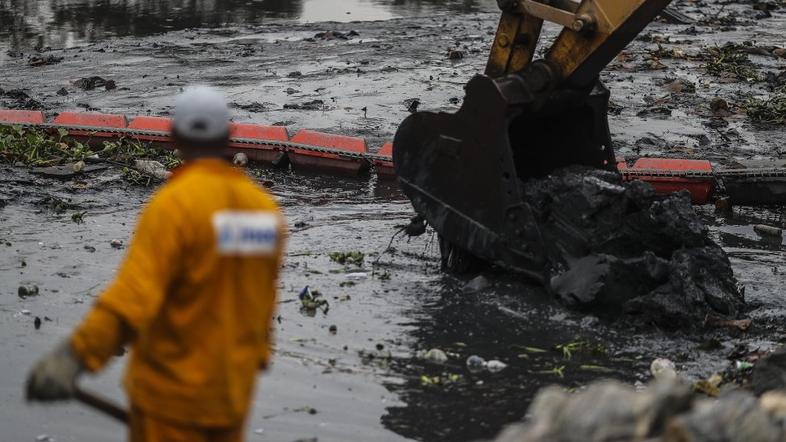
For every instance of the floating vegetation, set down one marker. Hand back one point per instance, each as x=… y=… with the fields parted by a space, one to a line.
x=348 y=258
x=768 y=112
x=38 y=148
x=730 y=60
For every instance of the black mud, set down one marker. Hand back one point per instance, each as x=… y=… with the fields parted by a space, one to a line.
x=617 y=248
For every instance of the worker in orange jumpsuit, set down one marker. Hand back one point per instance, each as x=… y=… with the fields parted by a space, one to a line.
x=194 y=297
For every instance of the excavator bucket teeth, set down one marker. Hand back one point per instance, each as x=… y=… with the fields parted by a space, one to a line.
x=465 y=172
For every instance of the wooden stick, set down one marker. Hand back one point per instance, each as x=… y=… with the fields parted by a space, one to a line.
x=101 y=404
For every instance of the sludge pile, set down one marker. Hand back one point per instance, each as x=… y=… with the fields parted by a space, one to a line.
x=666 y=411
x=616 y=247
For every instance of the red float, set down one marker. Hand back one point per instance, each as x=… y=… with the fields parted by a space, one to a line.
x=384 y=167
x=700 y=187
x=268 y=153
x=93 y=121
x=21 y=117
x=329 y=161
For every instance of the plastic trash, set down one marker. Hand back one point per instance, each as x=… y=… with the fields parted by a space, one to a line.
x=476 y=364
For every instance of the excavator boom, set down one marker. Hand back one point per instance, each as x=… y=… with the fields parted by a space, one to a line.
x=465 y=172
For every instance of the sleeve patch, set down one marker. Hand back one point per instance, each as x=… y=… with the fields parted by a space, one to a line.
x=246 y=233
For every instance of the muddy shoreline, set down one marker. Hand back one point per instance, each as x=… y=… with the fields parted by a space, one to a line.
x=358 y=389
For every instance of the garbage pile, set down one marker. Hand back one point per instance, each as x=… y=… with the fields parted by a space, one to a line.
x=667 y=411
x=616 y=248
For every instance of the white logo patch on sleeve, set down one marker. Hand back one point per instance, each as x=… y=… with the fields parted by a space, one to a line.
x=247 y=233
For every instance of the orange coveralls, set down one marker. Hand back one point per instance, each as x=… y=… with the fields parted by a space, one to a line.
x=195 y=297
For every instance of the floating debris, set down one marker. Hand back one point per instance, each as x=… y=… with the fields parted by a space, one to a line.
x=152 y=168
x=348 y=258
x=455 y=54
x=312 y=301
x=25 y=291
x=357 y=276
x=90 y=83
x=38 y=60
x=240 y=159
x=477 y=284
x=475 y=364
x=495 y=366
x=434 y=355
x=766 y=230
x=663 y=368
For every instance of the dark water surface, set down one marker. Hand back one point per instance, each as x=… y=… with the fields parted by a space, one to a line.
x=26 y=24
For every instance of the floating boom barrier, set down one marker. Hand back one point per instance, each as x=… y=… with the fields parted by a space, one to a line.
x=339 y=154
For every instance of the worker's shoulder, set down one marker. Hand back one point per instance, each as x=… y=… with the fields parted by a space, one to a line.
x=195 y=186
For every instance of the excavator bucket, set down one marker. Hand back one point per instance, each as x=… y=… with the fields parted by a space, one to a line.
x=465 y=172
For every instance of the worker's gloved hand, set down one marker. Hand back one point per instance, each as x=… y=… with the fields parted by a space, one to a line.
x=54 y=377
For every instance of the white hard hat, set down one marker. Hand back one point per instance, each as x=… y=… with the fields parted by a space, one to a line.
x=201 y=115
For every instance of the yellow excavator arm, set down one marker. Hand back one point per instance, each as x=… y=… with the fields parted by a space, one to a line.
x=595 y=31
x=464 y=172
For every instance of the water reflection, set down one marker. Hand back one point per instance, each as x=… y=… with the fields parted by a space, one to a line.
x=26 y=24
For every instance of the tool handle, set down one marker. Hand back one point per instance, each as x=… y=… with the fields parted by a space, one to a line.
x=103 y=405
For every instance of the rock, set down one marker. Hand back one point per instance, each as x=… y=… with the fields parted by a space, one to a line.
x=605 y=411
x=152 y=168
x=78 y=166
x=769 y=373
x=240 y=159
x=62 y=92
x=25 y=291
x=477 y=284
x=737 y=416
x=774 y=403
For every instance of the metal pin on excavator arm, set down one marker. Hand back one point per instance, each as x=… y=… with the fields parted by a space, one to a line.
x=463 y=172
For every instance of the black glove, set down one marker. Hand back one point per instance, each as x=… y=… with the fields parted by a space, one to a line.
x=54 y=377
